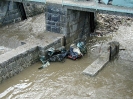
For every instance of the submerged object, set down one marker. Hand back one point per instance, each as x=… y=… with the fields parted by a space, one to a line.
x=44 y=65
x=82 y=47
x=57 y=55
x=74 y=52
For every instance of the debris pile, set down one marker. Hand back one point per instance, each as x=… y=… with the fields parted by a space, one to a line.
x=59 y=55
x=107 y=23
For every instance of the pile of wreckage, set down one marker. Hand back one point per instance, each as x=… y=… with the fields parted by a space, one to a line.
x=58 y=55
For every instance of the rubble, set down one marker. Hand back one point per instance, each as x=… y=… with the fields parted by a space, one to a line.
x=110 y=23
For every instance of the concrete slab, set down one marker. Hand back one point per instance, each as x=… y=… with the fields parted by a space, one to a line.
x=97 y=65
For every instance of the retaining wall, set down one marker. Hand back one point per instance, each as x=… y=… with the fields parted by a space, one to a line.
x=13 y=62
x=32 y=9
x=11 y=12
x=56 y=18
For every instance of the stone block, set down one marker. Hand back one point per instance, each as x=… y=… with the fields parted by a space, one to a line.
x=7 y=75
x=1 y=79
x=63 y=18
x=69 y=12
x=4 y=71
x=21 y=68
x=17 y=57
x=3 y=65
x=16 y=15
x=55 y=29
x=14 y=11
x=1 y=72
x=73 y=28
x=57 y=24
x=11 y=60
x=11 y=73
x=9 y=67
x=48 y=27
x=16 y=71
x=50 y=22
x=15 y=66
x=55 y=10
x=49 y=9
x=28 y=58
x=48 y=16
x=8 y=21
x=55 y=18
x=20 y=62
x=63 y=12
x=18 y=19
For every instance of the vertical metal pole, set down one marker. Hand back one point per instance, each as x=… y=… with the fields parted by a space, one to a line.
x=62 y=2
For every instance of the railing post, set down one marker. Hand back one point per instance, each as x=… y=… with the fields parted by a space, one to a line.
x=62 y=2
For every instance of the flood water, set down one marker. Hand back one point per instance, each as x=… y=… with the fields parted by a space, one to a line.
x=66 y=81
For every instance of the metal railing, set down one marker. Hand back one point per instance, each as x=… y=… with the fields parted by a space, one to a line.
x=40 y=1
x=93 y=4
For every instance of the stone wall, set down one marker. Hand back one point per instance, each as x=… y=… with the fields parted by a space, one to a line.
x=73 y=24
x=55 y=18
x=15 y=61
x=109 y=23
x=18 y=59
x=9 y=12
x=33 y=9
x=56 y=44
x=78 y=26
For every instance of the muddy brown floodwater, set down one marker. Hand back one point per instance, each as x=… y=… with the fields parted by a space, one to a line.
x=66 y=81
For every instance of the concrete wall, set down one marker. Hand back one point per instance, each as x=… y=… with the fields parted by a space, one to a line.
x=16 y=60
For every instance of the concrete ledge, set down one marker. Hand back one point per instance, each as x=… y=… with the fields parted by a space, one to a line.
x=16 y=60
x=97 y=65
